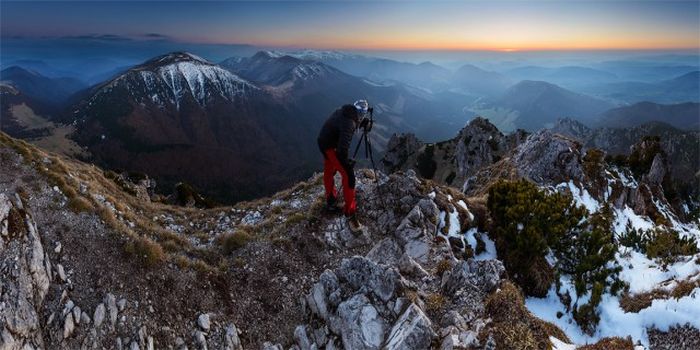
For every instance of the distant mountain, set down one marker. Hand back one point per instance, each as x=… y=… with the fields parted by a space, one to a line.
x=315 y=89
x=268 y=68
x=178 y=113
x=425 y=75
x=532 y=105
x=684 y=116
x=683 y=88
x=570 y=76
x=474 y=80
x=52 y=92
x=22 y=116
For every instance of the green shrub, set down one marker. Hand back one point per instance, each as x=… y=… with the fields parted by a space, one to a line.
x=666 y=245
x=527 y=222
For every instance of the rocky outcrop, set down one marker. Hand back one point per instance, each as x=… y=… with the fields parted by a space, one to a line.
x=388 y=299
x=399 y=149
x=25 y=272
x=548 y=158
x=478 y=144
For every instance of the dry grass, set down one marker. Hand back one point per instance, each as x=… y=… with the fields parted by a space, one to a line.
x=514 y=325
x=442 y=266
x=615 y=343
x=231 y=242
x=146 y=250
x=638 y=302
x=435 y=302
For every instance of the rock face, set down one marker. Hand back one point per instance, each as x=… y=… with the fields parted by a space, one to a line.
x=548 y=158
x=25 y=274
x=451 y=162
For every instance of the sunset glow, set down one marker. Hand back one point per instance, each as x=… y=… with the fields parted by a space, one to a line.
x=474 y=25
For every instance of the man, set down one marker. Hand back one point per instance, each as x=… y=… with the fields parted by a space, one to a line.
x=334 y=141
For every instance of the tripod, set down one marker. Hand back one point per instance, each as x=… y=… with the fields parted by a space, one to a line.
x=366 y=126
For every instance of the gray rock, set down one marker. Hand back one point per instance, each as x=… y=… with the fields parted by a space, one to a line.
x=99 y=315
x=111 y=302
x=269 y=346
x=203 y=322
x=25 y=279
x=200 y=340
x=482 y=275
x=231 y=340
x=61 y=273
x=319 y=297
x=413 y=330
x=302 y=338
x=84 y=318
x=68 y=326
x=76 y=314
x=121 y=304
x=362 y=274
x=134 y=346
x=548 y=158
x=387 y=252
x=362 y=326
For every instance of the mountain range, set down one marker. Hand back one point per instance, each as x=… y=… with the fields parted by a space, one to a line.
x=179 y=108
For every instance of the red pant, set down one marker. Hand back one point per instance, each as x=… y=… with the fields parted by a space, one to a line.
x=331 y=165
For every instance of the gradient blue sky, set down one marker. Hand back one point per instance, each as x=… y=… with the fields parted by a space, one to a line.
x=466 y=25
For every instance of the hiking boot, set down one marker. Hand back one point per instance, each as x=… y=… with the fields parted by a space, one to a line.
x=354 y=224
x=332 y=205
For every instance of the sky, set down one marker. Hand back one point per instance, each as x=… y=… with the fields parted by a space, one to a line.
x=363 y=25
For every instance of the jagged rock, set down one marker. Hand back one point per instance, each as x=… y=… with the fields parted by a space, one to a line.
x=657 y=172
x=387 y=252
x=410 y=267
x=203 y=322
x=319 y=298
x=99 y=315
x=416 y=230
x=482 y=275
x=231 y=340
x=302 y=338
x=398 y=151
x=548 y=158
x=362 y=326
x=364 y=275
x=413 y=330
x=26 y=282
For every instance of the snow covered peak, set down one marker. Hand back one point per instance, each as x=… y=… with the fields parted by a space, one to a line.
x=171 y=78
x=174 y=57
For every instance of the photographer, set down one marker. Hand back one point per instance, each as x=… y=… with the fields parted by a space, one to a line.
x=334 y=142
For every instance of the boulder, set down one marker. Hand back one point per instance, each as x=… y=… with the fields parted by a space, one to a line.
x=413 y=330
x=362 y=327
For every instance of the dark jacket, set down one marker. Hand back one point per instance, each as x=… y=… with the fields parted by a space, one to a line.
x=337 y=132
